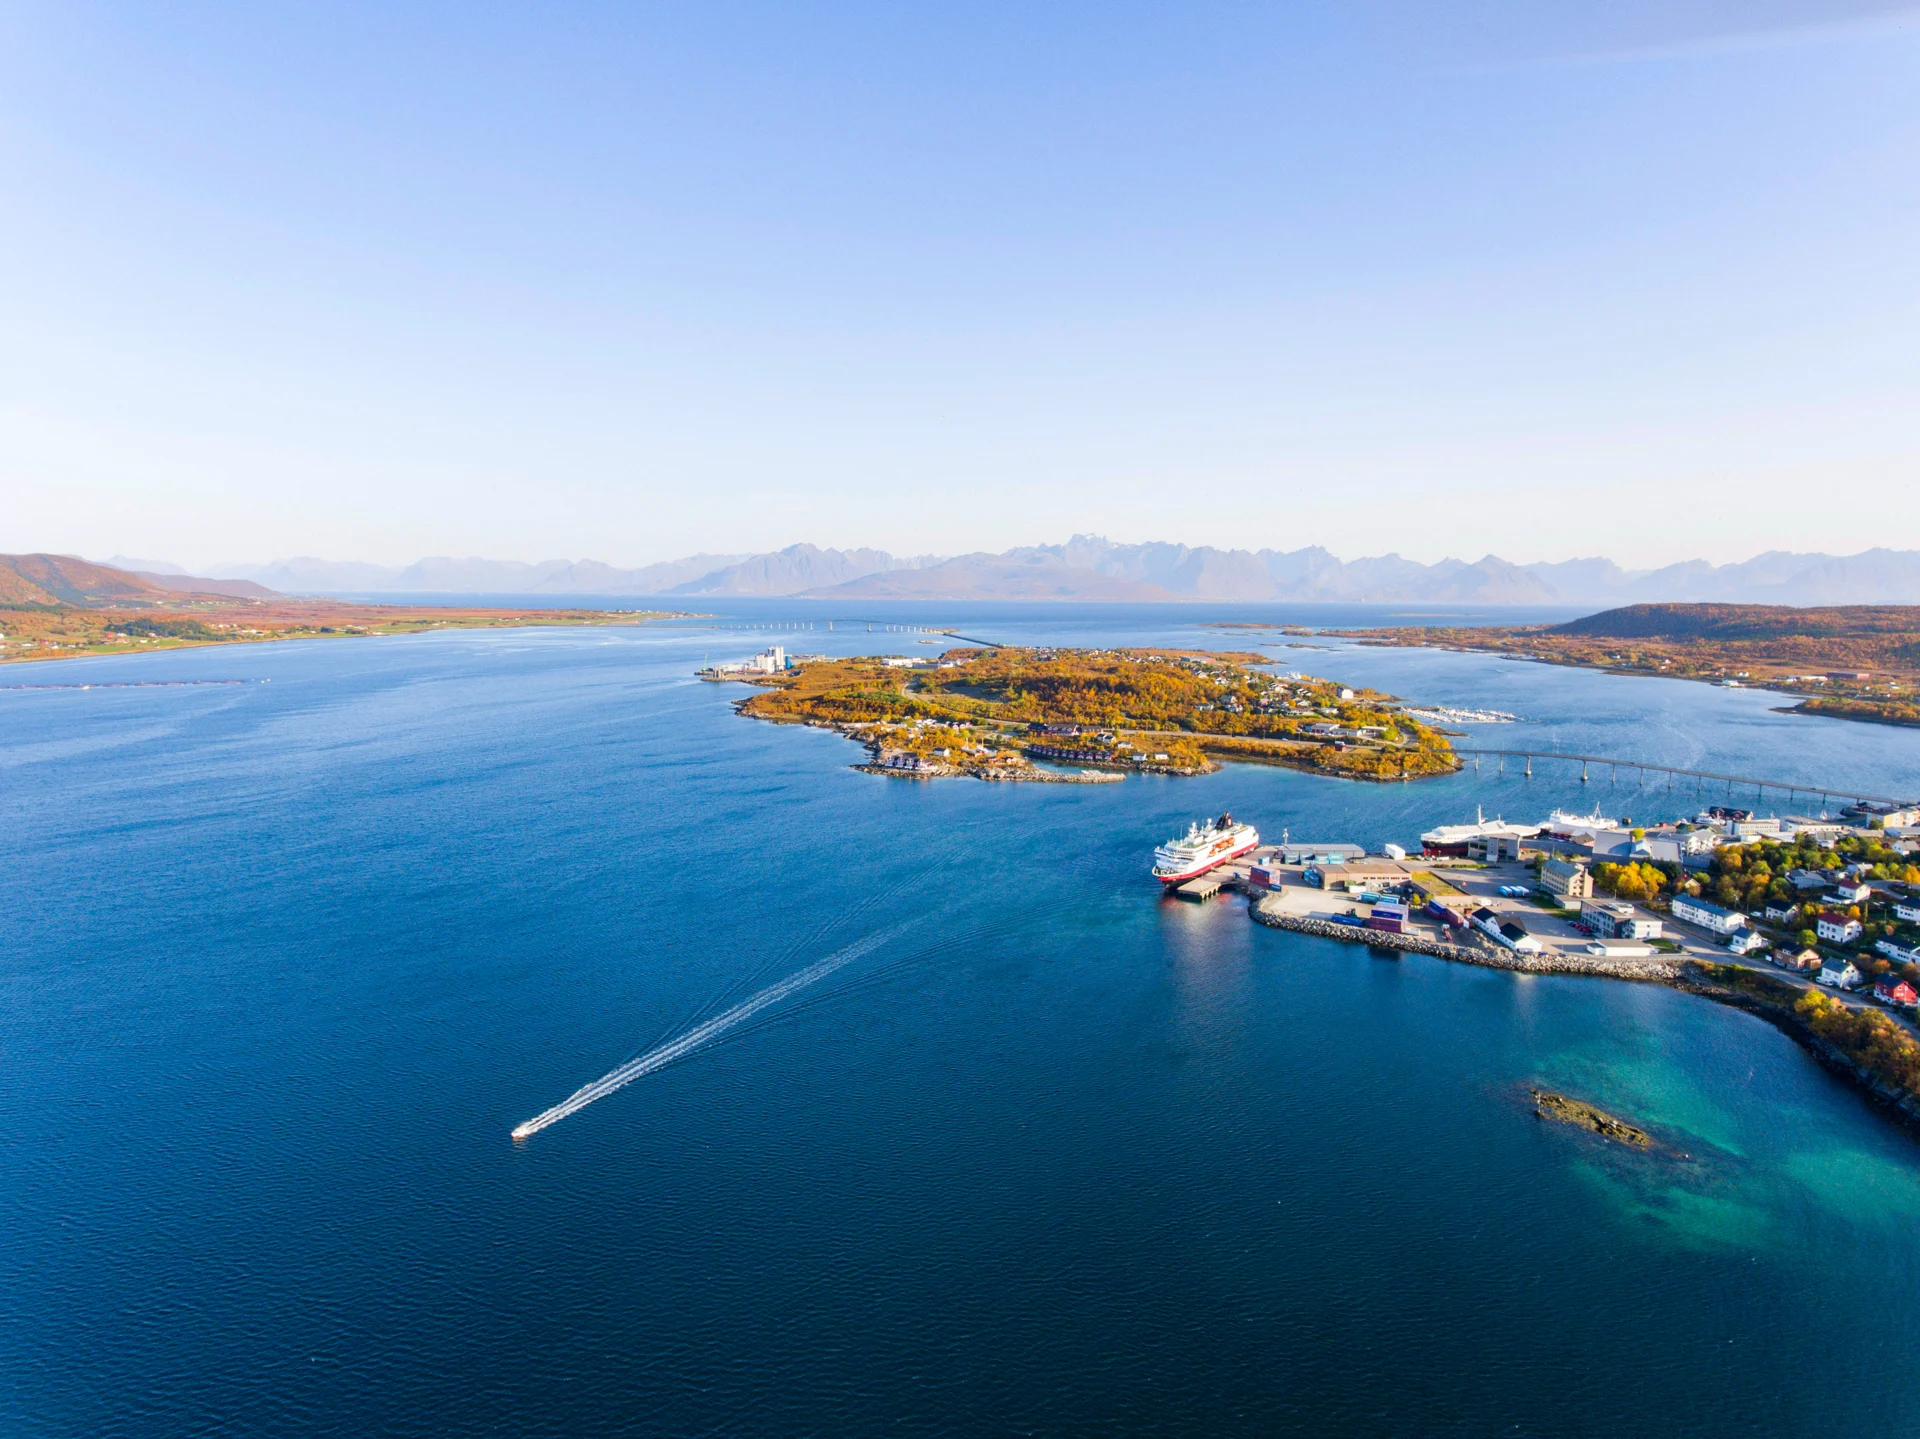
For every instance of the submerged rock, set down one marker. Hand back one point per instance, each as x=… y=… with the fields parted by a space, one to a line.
x=1566 y=1110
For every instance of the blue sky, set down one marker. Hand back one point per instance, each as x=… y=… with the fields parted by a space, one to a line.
x=1536 y=277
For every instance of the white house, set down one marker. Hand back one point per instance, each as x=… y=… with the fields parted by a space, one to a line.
x=1898 y=952
x=1707 y=916
x=1838 y=973
x=1837 y=927
x=1850 y=891
x=1907 y=909
x=1745 y=941
x=1780 y=912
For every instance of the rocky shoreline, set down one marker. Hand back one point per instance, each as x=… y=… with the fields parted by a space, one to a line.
x=1489 y=957
x=1009 y=775
x=1684 y=975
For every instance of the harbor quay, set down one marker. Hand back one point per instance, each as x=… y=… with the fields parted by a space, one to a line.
x=1394 y=904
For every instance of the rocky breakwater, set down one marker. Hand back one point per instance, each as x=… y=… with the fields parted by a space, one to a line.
x=1488 y=955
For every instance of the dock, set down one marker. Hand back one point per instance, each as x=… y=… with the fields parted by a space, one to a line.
x=1205 y=887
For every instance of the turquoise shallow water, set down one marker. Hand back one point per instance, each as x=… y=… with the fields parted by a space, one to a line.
x=282 y=963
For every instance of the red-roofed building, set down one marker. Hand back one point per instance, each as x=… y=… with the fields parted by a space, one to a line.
x=1838 y=927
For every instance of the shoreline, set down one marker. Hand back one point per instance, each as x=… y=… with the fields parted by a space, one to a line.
x=1381 y=639
x=163 y=632
x=1685 y=975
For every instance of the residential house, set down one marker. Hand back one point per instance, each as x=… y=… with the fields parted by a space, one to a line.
x=1806 y=879
x=1896 y=992
x=1850 y=891
x=1745 y=941
x=1803 y=961
x=1897 y=952
x=1707 y=915
x=1837 y=927
x=1781 y=912
x=1907 y=909
x=1838 y=972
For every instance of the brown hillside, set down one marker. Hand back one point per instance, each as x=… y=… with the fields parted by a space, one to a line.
x=63 y=579
x=1746 y=622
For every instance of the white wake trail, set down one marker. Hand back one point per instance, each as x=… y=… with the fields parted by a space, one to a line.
x=700 y=1034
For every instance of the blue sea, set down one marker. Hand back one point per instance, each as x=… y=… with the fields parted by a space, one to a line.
x=284 y=961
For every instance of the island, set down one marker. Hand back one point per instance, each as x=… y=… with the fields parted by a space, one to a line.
x=1085 y=714
x=58 y=607
x=1564 y=1109
x=1858 y=662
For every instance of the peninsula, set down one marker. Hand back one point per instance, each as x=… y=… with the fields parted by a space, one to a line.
x=991 y=713
x=1859 y=662
x=57 y=607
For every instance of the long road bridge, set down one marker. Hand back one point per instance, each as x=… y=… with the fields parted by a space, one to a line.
x=1698 y=776
x=870 y=626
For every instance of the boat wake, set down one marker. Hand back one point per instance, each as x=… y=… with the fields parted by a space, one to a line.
x=701 y=1034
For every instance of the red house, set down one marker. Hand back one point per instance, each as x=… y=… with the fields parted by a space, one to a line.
x=1896 y=992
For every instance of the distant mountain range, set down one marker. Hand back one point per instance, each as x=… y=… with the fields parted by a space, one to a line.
x=1090 y=568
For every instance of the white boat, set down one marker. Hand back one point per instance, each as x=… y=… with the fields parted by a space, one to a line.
x=1201 y=848
x=1560 y=822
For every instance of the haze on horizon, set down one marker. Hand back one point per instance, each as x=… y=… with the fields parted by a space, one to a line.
x=1536 y=279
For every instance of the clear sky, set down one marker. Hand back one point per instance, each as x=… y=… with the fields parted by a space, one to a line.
x=1537 y=277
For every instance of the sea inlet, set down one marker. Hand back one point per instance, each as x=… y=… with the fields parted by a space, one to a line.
x=285 y=963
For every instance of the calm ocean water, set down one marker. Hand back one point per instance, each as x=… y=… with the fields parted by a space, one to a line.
x=283 y=963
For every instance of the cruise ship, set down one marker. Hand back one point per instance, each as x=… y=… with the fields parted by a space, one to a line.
x=1201 y=848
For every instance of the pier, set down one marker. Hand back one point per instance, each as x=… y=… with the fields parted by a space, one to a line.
x=1700 y=777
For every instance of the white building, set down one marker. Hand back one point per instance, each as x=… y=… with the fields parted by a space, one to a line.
x=1838 y=973
x=1837 y=927
x=1909 y=910
x=1897 y=952
x=1616 y=919
x=1745 y=941
x=1708 y=916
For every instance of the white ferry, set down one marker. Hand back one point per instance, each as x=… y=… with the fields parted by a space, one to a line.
x=1561 y=822
x=1201 y=848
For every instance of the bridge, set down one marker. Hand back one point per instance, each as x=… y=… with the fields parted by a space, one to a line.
x=871 y=627
x=1698 y=776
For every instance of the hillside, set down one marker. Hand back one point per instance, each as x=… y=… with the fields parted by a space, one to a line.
x=1870 y=623
x=1849 y=662
x=65 y=580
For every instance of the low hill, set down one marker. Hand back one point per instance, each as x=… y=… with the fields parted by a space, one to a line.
x=201 y=585
x=1747 y=622
x=66 y=580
